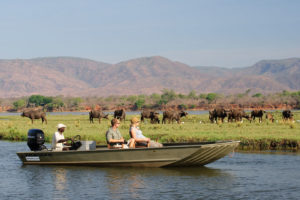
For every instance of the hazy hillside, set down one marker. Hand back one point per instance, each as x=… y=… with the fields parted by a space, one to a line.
x=216 y=71
x=148 y=75
x=82 y=77
x=285 y=71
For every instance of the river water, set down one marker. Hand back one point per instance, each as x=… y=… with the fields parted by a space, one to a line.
x=241 y=176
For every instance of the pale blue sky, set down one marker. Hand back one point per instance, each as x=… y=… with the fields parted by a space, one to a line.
x=226 y=33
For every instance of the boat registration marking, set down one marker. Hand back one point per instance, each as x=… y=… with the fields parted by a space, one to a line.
x=32 y=158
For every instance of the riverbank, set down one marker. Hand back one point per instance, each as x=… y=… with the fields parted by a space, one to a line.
x=194 y=128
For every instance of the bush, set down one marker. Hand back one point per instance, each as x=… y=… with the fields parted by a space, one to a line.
x=19 y=104
x=39 y=100
x=168 y=95
x=182 y=106
x=139 y=103
x=192 y=106
x=211 y=97
x=258 y=95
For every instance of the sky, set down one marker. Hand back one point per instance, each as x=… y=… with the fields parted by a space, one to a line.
x=224 y=33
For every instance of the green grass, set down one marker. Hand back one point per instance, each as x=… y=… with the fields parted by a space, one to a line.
x=278 y=135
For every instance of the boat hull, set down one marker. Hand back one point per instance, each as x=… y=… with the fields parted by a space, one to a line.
x=175 y=155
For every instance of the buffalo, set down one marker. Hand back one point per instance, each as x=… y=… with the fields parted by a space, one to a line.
x=173 y=115
x=153 y=115
x=97 y=114
x=120 y=114
x=211 y=116
x=287 y=115
x=269 y=117
x=237 y=115
x=257 y=113
x=35 y=114
x=217 y=113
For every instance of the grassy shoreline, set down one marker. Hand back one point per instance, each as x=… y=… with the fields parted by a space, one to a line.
x=196 y=128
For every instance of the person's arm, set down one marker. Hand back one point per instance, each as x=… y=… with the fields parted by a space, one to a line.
x=111 y=140
x=115 y=140
x=133 y=134
x=63 y=140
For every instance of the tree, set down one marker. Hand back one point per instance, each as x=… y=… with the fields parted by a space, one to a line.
x=285 y=93
x=19 y=104
x=76 y=101
x=202 y=96
x=139 y=103
x=132 y=98
x=35 y=99
x=211 y=97
x=192 y=95
x=39 y=100
x=168 y=95
x=247 y=92
x=258 y=95
x=181 y=96
x=56 y=104
x=155 y=97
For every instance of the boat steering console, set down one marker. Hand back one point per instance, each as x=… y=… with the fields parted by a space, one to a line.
x=75 y=142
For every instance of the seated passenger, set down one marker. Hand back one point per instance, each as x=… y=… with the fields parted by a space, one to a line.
x=58 y=139
x=139 y=139
x=137 y=135
x=113 y=136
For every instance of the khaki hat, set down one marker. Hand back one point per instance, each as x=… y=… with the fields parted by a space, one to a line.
x=61 y=126
x=134 y=120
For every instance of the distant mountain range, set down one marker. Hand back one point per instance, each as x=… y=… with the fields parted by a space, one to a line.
x=83 y=77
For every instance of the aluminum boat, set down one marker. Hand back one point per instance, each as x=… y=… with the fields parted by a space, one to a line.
x=170 y=155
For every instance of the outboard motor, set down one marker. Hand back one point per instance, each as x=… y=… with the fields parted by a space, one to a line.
x=36 y=140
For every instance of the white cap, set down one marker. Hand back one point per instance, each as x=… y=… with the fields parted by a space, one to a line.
x=61 y=126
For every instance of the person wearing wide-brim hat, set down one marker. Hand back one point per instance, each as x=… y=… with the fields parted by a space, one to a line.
x=58 y=139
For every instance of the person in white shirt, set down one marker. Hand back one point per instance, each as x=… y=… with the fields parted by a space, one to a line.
x=58 y=139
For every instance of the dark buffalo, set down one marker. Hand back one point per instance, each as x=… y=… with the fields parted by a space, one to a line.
x=35 y=114
x=97 y=114
x=217 y=113
x=173 y=115
x=257 y=113
x=269 y=117
x=237 y=115
x=287 y=115
x=153 y=115
x=211 y=116
x=120 y=114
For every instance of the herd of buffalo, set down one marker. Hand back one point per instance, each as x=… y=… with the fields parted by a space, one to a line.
x=145 y=114
x=238 y=115
x=215 y=115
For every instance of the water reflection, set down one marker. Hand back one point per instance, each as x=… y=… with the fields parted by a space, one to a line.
x=133 y=181
x=121 y=183
x=59 y=179
x=174 y=171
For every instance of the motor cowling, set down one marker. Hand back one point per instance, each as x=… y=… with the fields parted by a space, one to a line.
x=36 y=139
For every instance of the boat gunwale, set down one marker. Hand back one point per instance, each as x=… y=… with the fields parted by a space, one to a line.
x=168 y=146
